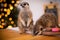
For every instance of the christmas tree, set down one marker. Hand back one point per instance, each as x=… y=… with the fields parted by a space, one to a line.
x=8 y=13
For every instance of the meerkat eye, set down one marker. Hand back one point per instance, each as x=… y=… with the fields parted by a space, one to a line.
x=24 y=4
x=27 y=4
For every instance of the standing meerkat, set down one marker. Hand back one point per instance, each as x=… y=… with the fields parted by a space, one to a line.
x=25 y=20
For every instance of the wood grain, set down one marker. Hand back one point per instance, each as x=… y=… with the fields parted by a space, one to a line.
x=13 y=35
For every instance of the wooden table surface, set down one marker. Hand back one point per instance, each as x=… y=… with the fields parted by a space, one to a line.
x=13 y=35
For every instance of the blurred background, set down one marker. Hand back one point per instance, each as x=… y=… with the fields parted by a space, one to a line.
x=9 y=10
x=8 y=13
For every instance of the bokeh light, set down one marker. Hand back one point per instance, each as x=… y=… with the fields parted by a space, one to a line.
x=2 y=20
x=12 y=22
x=10 y=19
x=7 y=13
x=5 y=5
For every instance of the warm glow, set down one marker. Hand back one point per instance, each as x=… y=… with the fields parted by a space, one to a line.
x=11 y=7
x=1 y=0
x=2 y=14
x=2 y=20
x=13 y=1
x=5 y=5
x=3 y=23
x=8 y=11
x=9 y=27
x=5 y=9
x=1 y=26
x=12 y=22
x=6 y=15
x=17 y=2
x=10 y=19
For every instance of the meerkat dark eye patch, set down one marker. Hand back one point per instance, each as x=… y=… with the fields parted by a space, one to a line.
x=27 y=4
x=24 y=4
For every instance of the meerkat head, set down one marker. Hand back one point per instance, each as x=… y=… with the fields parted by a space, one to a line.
x=24 y=4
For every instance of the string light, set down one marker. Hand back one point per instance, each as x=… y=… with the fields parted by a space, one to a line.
x=5 y=5
x=12 y=1
x=12 y=22
x=10 y=19
x=5 y=9
x=8 y=11
x=10 y=6
x=6 y=15
x=1 y=26
x=9 y=27
x=3 y=23
x=2 y=20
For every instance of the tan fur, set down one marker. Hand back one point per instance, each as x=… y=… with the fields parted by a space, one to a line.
x=25 y=20
x=47 y=20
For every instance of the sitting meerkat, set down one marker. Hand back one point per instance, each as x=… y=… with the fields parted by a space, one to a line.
x=25 y=20
x=48 y=20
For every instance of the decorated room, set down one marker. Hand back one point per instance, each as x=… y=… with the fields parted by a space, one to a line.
x=29 y=19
